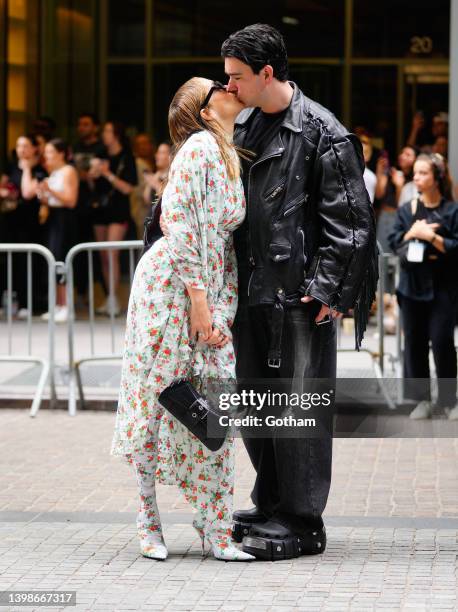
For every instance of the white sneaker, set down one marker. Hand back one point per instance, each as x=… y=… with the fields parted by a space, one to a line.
x=110 y=304
x=61 y=314
x=45 y=316
x=453 y=413
x=113 y=305
x=103 y=309
x=423 y=410
x=23 y=313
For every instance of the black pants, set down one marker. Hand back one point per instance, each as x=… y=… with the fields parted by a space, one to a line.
x=424 y=322
x=294 y=474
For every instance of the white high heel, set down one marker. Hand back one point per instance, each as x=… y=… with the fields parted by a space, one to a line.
x=149 y=530
x=221 y=545
x=153 y=546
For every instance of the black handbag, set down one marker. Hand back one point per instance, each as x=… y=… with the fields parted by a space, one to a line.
x=195 y=412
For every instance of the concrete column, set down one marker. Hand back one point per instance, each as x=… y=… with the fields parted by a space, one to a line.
x=453 y=93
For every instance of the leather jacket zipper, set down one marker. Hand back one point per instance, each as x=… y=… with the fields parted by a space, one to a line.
x=277 y=153
x=314 y=274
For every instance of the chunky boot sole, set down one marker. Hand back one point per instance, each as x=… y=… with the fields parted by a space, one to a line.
x=240 y=530
x=242 y=521
x=276 y=549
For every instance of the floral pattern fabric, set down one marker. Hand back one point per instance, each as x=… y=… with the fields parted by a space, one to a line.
x=201 y=207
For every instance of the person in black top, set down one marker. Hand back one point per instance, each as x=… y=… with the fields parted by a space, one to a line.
x=305 y=254
x=19 y=218
x=425 y=235
x=88 y=147
x=115 y=178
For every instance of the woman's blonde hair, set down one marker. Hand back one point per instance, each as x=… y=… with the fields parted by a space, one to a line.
x=185 y=119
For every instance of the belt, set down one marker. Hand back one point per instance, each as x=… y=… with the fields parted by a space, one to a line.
x=282 y=301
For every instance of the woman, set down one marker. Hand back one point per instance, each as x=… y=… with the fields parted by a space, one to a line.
x=154 y=186
x=425 y=235
x=19 y=217
x=115 y=179
x=143 y=150
x=58 y=195
x=390 y=182
x=155 y=181
x=184 y=288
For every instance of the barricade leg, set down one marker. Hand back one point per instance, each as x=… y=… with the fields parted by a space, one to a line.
x=40 y=388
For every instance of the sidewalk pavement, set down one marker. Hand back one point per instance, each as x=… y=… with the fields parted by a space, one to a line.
x=67 y=522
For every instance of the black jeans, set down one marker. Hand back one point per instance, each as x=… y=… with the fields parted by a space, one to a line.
x=424 y=322
x=293 y=474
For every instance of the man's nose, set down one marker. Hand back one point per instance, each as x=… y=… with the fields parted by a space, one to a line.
x=231 y=87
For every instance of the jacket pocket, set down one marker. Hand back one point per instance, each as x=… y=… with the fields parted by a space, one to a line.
x=274 y=191
x=291 y=207
x=279 y=252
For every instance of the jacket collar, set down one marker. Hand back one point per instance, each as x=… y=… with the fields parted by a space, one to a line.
x=292 y=120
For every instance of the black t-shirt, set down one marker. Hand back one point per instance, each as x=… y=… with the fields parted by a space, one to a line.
x=123 y=166
x=22 y=224
x=263 y=128
x=15 y=177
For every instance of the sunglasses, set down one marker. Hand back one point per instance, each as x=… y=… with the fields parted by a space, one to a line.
x=217 y=86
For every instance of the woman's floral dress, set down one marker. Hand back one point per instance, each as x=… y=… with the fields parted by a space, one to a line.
x=201 y=207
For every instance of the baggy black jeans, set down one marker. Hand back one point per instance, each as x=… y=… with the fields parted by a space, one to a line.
x=293 y=475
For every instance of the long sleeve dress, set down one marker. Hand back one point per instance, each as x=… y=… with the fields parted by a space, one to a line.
x=201 y=207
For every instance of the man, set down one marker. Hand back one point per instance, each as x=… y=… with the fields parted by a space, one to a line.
x=306 y=253
x=85 y=149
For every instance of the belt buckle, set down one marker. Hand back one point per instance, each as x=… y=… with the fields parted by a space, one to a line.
x=274 y=363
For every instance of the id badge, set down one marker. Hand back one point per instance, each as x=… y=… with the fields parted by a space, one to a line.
x=416 y=251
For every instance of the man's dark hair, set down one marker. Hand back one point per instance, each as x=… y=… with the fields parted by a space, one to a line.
x=258 y=45
x=92 y=116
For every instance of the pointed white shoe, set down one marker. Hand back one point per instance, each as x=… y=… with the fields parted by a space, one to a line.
x=153 y=546
x=221 y=546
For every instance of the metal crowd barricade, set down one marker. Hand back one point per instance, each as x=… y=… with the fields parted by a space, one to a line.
x=47 y=364
x=378 y=356
x=75 y=380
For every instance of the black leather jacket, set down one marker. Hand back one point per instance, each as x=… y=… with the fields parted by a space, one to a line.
x=311 y=223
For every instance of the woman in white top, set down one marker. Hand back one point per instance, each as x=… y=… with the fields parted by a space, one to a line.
x=58 y=195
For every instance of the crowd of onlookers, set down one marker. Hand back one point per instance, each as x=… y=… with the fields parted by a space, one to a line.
x=100 y=188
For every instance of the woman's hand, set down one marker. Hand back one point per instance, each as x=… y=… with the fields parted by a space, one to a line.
x=397 y=178
x=422 y=230
x=218 y=339
x=201 y=319
x=104 y=167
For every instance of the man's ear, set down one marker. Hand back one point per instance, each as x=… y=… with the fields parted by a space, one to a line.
x=267 y=74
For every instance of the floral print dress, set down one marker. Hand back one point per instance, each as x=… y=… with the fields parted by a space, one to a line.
x=201 y=207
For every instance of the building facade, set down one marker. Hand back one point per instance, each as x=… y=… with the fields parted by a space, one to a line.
x=372 y=63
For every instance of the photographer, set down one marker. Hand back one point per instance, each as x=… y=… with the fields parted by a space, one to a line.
x=425 y=236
